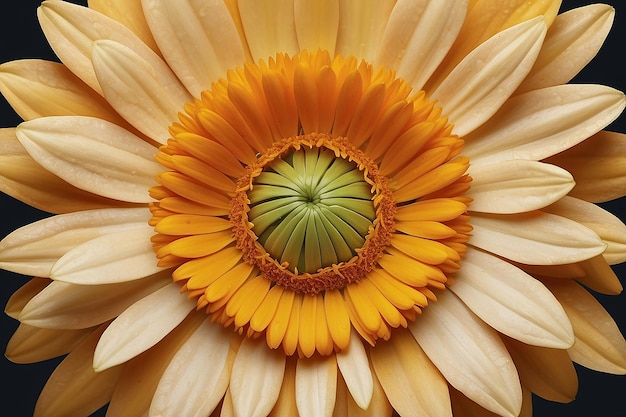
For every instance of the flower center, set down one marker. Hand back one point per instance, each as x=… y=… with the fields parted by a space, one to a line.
x=313 y=214
x=310 y=198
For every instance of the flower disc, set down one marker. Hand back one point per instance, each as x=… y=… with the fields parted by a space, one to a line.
x=308 y=196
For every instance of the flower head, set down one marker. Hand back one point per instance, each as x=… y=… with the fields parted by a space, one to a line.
x=313 y=207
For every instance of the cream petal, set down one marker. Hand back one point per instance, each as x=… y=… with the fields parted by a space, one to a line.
x=69 y=306
x=23 y=295
x=574 y=38
x=548 y=373
x=141 y=326
x=71 y=29
x=517 y=186
x=145 y=93
x=609 y=227
x=511 y=301
x=74 y=388
x=130 y=14
x=257 y=376
x=346 y=407
x=72 y=147
x=286 y=404
x=316 y=386
x=474 y=361
x=599 y=276
x=361 y=26
x=31 y=344
x=317 y=24
x=136 y=386
x=38 y=88
x=418 y=36
x=119 y=256
x=535 y=238
x=198 y=39
x=355 y=368
x=269 y=27
x=33 y=249
x=598 y=165
x=190 y=386
x=24 y=179
x=599 y=344
x=411 y=382
x=541 y=123
x=483 y=81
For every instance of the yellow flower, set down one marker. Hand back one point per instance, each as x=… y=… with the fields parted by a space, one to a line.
x=314 y=208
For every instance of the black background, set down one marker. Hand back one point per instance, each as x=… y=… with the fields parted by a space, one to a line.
x=20 y=37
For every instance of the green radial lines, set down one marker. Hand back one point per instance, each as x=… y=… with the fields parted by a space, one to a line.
x=311 y=209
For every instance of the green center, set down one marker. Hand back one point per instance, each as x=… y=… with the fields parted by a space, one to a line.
x=311 y=209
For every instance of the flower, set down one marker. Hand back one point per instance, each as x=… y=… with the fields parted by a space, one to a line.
x=313 y=208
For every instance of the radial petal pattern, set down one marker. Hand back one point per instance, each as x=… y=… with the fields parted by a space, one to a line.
x=314 y=208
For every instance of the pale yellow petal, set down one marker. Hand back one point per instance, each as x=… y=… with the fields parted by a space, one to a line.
x=23 y=295
x=511 y=301
x=136 y=386
x=411 y=382
x=599 y=276
x=486 y=18
x=130 y=14
x=74 y=388
x=316 y=386
x=598 y=166
x=269 y=27
x=418 y=36
x=256 y=378
x=286 y=404
x=474 y=361
x=482 y=82
x=141 y=326
x=541 y=123
x=24 y=179
x=609 y=227
x=317 y=24
x=361 y=26
x=198 y=40
x=31 y=344
x=599 y=343
x=38 y=88
x=93 y=155
x=33 y=249
x=548 y=373
x=355 y=369
x=379 y=405
x=535 y=238
x=572 y=41
x=69 y=306
x=144 y=92
x=115 y=257
x=191 y=386
x=71 y=29
x=517 y=186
